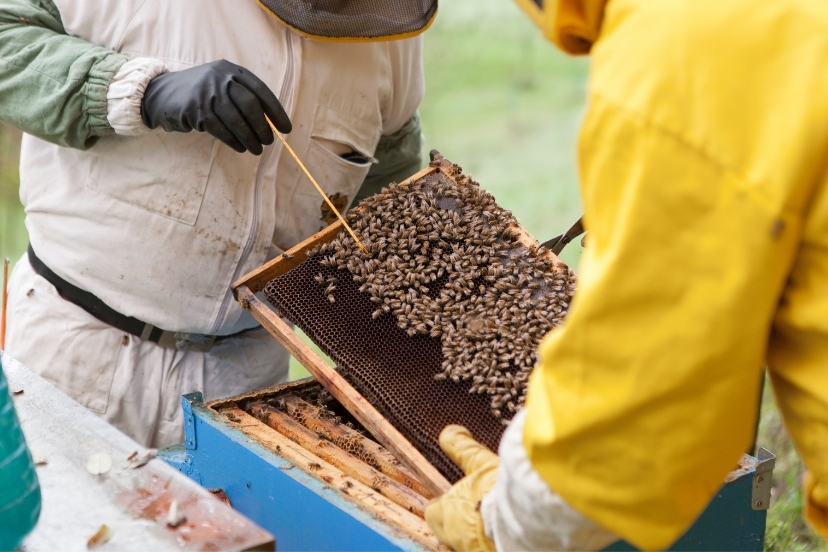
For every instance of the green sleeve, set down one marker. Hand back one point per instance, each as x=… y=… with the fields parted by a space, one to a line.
x=398 y=155
x=52 y=85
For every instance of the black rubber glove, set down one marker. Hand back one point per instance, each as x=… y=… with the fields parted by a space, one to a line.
x=221 y=98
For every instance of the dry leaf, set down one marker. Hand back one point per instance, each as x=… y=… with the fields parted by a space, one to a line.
x=98 y=463
x=174 y=516
x=17 y=391
x=136 y=459
x=100 y=538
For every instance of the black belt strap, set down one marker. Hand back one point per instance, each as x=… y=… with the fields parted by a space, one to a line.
x=101 y=310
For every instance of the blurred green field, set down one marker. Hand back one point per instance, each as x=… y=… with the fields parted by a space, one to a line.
x=506 y=106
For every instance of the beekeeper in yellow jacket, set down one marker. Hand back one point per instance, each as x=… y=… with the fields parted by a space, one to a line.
x=704 y=166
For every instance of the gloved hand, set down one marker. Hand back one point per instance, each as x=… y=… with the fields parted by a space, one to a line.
x=221 y=98
x=455 y=516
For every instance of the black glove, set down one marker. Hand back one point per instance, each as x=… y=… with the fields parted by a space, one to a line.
x=221 y=98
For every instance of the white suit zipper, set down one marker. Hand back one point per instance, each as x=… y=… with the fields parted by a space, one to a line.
x=257 y=193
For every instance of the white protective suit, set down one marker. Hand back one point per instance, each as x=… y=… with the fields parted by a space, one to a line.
x=158 y=225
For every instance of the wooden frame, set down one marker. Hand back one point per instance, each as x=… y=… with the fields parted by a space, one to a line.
x=360 y=470
x=384 y=509
x=245 y=290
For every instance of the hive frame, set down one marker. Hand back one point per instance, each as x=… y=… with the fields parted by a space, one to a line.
x=247 y=286
x=235 y=410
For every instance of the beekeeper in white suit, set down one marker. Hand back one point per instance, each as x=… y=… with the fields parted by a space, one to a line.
x=141 y=204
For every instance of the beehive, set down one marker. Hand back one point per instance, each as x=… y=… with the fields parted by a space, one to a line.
x=301 y=422
x=430 y=351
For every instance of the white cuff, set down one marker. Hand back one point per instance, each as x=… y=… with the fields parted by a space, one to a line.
x=521 y=512
x=123 y=99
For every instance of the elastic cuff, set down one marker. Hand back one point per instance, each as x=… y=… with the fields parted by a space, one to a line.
x=100 y=75
x=123 y=99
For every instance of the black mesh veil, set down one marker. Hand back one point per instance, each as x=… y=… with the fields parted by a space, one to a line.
x=354 y=19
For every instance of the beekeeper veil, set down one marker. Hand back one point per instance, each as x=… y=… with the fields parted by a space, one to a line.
x=354 y=20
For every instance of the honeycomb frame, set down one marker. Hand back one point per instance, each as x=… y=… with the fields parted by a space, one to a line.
x=254 y=282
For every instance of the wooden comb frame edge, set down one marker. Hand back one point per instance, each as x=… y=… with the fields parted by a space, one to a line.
x=342 y=391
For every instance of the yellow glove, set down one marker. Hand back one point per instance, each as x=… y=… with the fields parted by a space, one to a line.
x=455 y=516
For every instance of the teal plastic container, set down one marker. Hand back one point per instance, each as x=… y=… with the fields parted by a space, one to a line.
x=19 y=489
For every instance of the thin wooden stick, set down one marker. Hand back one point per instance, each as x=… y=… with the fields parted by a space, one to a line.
x=257 y=279
x=318 y=188
x=5 y=303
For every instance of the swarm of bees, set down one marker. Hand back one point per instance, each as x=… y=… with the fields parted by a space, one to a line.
x=447 y=262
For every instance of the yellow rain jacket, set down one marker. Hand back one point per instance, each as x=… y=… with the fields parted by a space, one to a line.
x=704 y=167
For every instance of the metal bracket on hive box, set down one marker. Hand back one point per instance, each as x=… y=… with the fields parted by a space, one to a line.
x=187 y=402
x=763 y=480
x=178 y=456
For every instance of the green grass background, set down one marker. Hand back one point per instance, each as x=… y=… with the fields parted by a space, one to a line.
x=505 y=105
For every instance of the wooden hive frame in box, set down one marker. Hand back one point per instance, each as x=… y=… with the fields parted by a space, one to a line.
x=283 y=420
x=254 y=282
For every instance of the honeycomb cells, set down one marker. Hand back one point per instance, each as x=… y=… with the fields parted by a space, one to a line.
x=433 y=333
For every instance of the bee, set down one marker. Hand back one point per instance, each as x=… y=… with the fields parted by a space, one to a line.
x=314 y=466
x=331 y=298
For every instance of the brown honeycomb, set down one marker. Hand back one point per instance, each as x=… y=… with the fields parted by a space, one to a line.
x=401 y=372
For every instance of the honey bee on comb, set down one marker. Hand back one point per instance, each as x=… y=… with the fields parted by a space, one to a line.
x=470 y=296
x=478 y=280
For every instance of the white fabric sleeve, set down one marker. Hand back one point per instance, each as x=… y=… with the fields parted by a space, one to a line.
x=123 y=99
x=521 y=512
